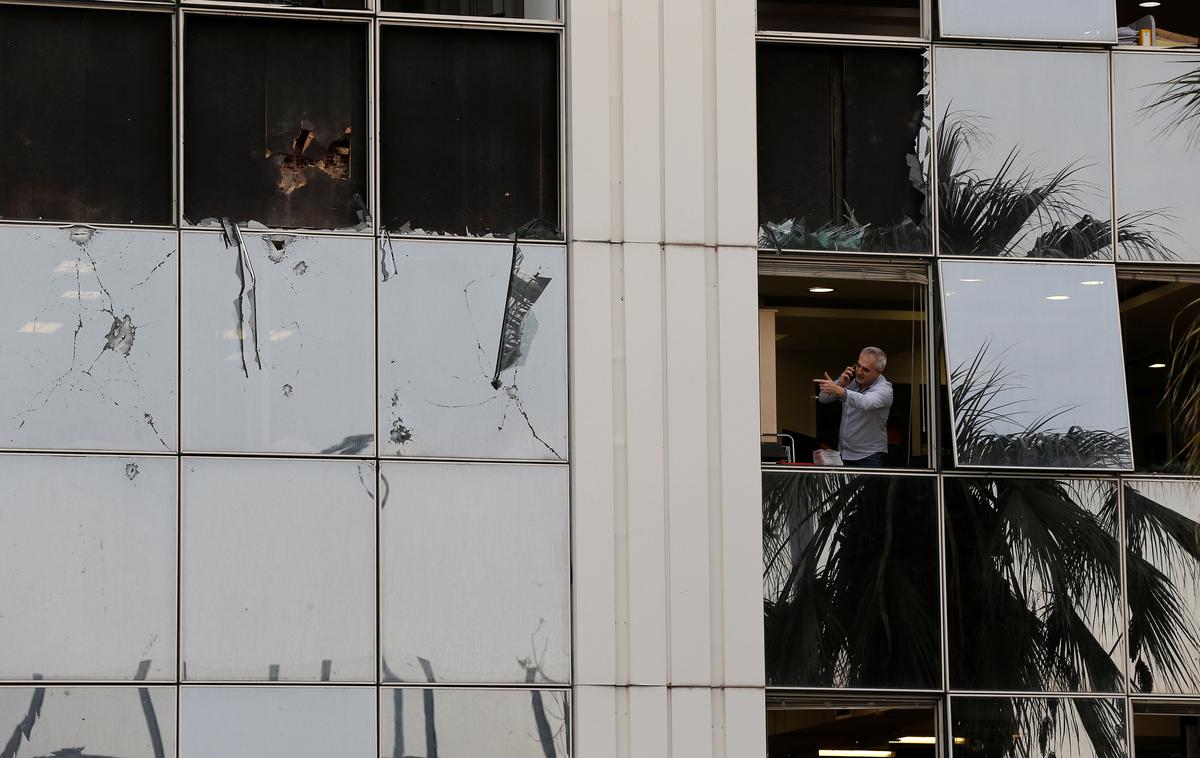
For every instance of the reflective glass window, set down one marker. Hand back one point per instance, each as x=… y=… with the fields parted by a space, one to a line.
x=446 y=532
x=1158 y=154
x=875 y=18
x=87 y=552
x=278 y=346
x=537 y=9
x=842 y=145
x=850 y=572
x=1023 y=154
x=487 y=376
x=1060 y=21
x=89 y=358
x=87 y=722
x=271 y=547
x=509 y=723
x=1034 y=358
x=1033 y=582
x=1162 y=528
x=1013 y=727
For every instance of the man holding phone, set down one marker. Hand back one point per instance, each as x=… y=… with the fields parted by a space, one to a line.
x=866 y=398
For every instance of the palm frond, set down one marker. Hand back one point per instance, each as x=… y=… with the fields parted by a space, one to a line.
x=1179 y=99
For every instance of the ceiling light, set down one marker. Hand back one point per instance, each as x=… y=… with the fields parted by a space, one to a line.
x=1158 y=365
x=820 y=290
x=1092 y=283
x=924 y=741
x=826 y=753
x=1058 y=297
x=970 y=280
x=1150 y=4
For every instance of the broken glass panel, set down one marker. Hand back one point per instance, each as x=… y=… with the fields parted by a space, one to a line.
x=472 y=132
x=89 y=361
x=1034 y=354
x=1060 y=21
x=257 y=721
x=888 y=18
x=1018 y=727
x=1023 y=155
x=488 y=379
x=86 y=123
x=843 y=137
x=299 y=528
x=88 y=722
x=1158 y=153
x=87 y=552
x=446 y=530
x=539 y=9
x=850 y=577
x=278 y=344
x=461 y=722
x=1162 y=528
x=266 y=142
x=1033 y=578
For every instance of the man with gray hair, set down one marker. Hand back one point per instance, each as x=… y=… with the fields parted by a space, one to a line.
x=866 y=398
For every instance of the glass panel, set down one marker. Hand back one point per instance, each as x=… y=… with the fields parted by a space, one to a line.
x=1033 y=582
x=540 y=9
x=1023 y=153
x=1034 y=352
x=1060 y=21
x=511 y=723
x=299 y=722
x=88 y=722
x=304 y=530
x=850 y=574
x=864 y=177
x=798 y=729
x=1064 y=727
x=86 y=117
x=1158 y=155
x=263 y=144
x=89 y=360
x=449 y=530
x=486 y=376
x=88 y=560
x=288 y=368
x=1162 y=527
x=890 y=18
x=471 y=119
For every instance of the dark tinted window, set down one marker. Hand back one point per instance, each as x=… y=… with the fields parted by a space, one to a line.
x=893 y=18
x=540 y=9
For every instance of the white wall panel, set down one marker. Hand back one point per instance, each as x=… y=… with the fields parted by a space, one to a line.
x=588 y=125
x=736 y=175
x=684 y=166
x=641 y=114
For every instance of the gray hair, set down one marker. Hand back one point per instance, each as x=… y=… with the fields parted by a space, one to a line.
x=879 y=355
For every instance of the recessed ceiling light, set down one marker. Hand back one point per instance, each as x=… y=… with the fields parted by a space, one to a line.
x=1158 y=365
x=820 y=290
x=1092 y=283
x=970 y=280
x=1150 y=4
x=827 y=753
x=1058 y=297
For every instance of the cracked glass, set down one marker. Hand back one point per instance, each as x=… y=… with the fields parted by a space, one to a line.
x=299 y=528
x=1016 y=727
x=85 y=115
x=1059 y=21
x=850 y=577
x=88 y=556
x=278 y=346
x=90 y=358
x=1035 y=363
x=1158 y=151
x=1012 y=184
x=462 y=722
x=546 y=10
x=487 y=378
x=257 y=721
x=275 y=121
x=89 y=722
x=447 y=530
x=1033 y=578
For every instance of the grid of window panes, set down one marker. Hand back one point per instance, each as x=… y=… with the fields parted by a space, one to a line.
x=283 y=456
x=1005 y=197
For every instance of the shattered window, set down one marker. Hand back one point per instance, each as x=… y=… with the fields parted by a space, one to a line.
x=491 y=380
x=132 y=722
x=267 y=142
x=842 y=147
x=539 y=9
x=87 y=550
x=277 y=343
x=299 y=527
x=446 y=530
x=89 y=358
x=470 y=127
x=100 y=149
x=877 y=18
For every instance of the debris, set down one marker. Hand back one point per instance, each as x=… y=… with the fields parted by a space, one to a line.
x=131 y=471
x=400 y=433
x=120 y=335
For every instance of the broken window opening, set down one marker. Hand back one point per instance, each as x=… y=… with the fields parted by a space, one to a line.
x=852 y=123
x=112 y=162
x=266 y=146
x=536 y=9
x=1169 y=25
x=472 y=124
x=879 y=18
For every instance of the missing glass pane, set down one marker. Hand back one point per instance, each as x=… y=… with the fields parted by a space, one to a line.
x=891 y=18
x=1163 y=25
x=800 y=729
x=86 y=122
x=275 y=122
x=842 y=147
x=470 y=119
x=539 y=9
x=1166 y=730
